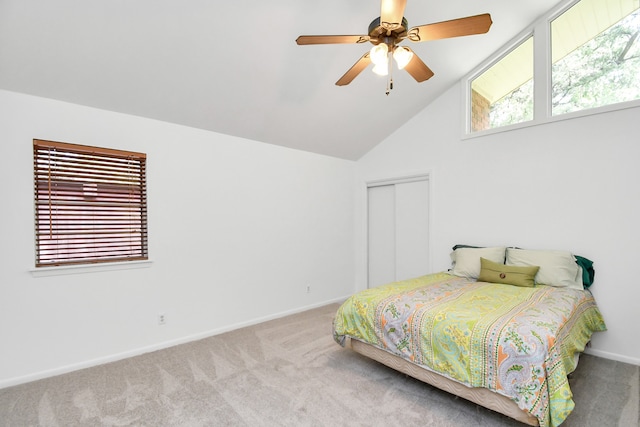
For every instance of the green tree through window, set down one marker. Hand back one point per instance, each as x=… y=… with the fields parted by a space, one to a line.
x=603 y=71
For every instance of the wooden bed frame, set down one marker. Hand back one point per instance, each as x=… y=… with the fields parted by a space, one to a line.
x=481 y=396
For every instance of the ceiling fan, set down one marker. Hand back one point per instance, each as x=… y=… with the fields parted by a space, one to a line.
x=387 y=31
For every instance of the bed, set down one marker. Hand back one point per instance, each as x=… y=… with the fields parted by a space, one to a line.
x=503 y=328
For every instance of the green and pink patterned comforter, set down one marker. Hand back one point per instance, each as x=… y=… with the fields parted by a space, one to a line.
x=519 y=342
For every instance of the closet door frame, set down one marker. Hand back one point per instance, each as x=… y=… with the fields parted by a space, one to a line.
x=424 y=176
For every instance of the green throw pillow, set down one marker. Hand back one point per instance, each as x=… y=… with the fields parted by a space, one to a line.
x=507 y=274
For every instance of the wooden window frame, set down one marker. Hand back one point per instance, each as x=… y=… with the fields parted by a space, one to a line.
x=90 y=204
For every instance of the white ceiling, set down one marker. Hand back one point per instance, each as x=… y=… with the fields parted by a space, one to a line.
x=233 y=67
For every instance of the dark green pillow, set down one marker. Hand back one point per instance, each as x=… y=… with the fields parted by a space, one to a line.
x=588 y=273
x=493 y=272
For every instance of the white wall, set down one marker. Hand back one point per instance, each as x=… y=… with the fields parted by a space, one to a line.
x=274 y=220
x=237 y=229
x=572 y=185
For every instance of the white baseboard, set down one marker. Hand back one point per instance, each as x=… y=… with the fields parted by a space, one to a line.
x=612 y=356
x=155 y=347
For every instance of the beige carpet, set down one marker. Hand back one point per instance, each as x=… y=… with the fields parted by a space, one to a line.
x=286 y=372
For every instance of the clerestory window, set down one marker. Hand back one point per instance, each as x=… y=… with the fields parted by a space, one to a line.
x=503 y=94
x=589 y=56
x=595 y=55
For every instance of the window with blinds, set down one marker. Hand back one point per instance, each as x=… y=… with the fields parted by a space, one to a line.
x=90 y=204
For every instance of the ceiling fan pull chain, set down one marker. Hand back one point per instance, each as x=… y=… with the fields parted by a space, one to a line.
x=390 y=80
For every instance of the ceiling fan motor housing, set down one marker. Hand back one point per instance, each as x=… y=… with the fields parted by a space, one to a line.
x=379 y=33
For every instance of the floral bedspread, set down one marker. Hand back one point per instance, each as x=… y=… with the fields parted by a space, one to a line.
x=519 y=342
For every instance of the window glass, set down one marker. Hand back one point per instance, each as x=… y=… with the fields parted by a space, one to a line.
x=595 y=51
x=503 y=94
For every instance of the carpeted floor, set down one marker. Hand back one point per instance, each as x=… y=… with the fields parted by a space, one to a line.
x=286 y=372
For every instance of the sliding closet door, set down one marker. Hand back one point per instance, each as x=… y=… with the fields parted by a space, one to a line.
x=412 y=229
x=382 y=234
x=398 y=230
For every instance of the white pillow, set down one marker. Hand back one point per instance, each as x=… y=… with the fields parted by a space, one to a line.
x=557 y=268
x=467 y=260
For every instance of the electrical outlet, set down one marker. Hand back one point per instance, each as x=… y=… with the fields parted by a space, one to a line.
x=308 y=289
x=162 y=319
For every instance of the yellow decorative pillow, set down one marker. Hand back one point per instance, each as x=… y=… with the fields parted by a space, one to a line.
x=507 y=274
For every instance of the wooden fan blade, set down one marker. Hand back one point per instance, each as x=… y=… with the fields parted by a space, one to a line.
x=391 y=13
x=418 y=69
x=303 y=40
x=356 y=69
x=478 y=24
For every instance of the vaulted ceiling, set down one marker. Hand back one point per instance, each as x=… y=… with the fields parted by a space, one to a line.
x=233 y=67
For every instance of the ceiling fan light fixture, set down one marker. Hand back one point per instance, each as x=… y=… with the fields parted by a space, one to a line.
x=379 y=54
x=381 y=69
x=403 y=56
